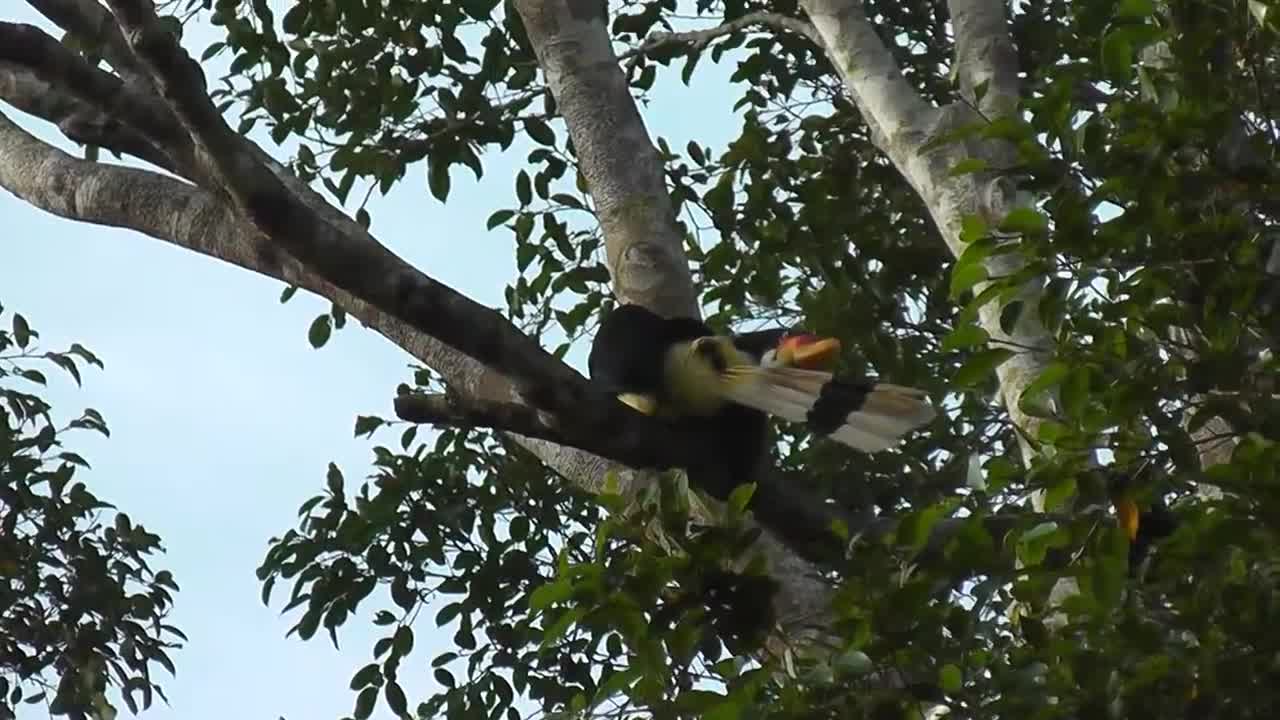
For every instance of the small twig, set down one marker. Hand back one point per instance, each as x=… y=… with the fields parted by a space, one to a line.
x=695 y=40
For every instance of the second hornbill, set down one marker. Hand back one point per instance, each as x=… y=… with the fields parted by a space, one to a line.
x=679 y=369
x=1143 y=527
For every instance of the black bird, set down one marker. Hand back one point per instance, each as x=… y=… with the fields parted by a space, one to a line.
x=1143 y=527
x=678 y=368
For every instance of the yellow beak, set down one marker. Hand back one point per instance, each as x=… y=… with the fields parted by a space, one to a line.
x=809 y=352
x=1127 y=516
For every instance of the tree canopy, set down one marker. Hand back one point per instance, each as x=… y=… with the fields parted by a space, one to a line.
x=1056 y=217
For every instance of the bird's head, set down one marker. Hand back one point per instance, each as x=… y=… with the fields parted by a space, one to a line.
x=696 y=371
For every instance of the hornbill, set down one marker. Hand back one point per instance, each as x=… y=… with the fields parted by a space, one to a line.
x=1143 y=528
x=678 y=368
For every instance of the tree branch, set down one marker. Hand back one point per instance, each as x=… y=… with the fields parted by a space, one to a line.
x=985 y=55
x=78 y=121
x=886 y=100
x=357 y=262
x=455 y=410
x=643 y=242
x=94 y=27
x=694 y=40
x=30 y=47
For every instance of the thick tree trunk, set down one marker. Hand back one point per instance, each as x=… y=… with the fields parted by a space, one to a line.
x=624 y=174
x=645 y=249
x=903 y=124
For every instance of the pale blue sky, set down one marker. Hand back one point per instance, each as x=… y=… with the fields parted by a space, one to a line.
x=223 y=417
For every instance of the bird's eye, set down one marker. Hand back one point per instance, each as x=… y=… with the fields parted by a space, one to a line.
x=710 y=349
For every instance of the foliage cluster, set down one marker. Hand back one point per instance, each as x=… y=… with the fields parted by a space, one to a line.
x=1146 y=136
x=80 y=605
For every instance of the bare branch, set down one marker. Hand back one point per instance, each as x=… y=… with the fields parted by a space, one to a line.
x=94 y=27
x=77 y=120
x=985 y=55
x=870 y=74
x=698 y=39
x=353 y=261
x=643 y=241
x=30 y=47
x=455 y=410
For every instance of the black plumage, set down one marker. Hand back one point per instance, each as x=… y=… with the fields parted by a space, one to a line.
x=628 y=356
x=679 y=369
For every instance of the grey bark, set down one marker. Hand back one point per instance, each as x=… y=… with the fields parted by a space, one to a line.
x=903 y=124
x=644 y=247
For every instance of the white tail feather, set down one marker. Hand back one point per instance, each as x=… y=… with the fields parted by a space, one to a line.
x=863 y=441
x=887 y=413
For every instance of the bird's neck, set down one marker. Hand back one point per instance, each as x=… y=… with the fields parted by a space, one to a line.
x=693 y=384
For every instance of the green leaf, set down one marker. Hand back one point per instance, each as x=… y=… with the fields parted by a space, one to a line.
x=540 y=132
x=550 y=593
x=1036 y=542
x=212 y=50
x=525 y=253
x=402 y=641
x=968 y=166
x=964 y=337
x=978 y=368
x=950 y=679
x=854 y=662
x=561 y=626
x=1009 y=316
x=448 y=613
x=965 y=276
x=1025 y=221
x=444 y=677
x=34 y=376
x=1058 y=493
x=367 y=424
x=616 y=683
x=980 y=91
x=695 y=153
x=320 y=330
x=498 y=218
x=1118 y=55
x=524 y=191
x=333 y=479
x=916 y=527
x=438 y=178
x=972 y=228
x=80 y=350
x=396 y=699
x=740 y=497
x=288 y=293
x=66 y=364
x=21 y=331
x=364 y=703
x=1049 y=378
x=367 y=675
x=1135 y=10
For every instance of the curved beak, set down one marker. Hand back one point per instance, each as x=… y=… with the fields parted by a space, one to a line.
x=1127 y=514
x=641 y=403
x=808 y=352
